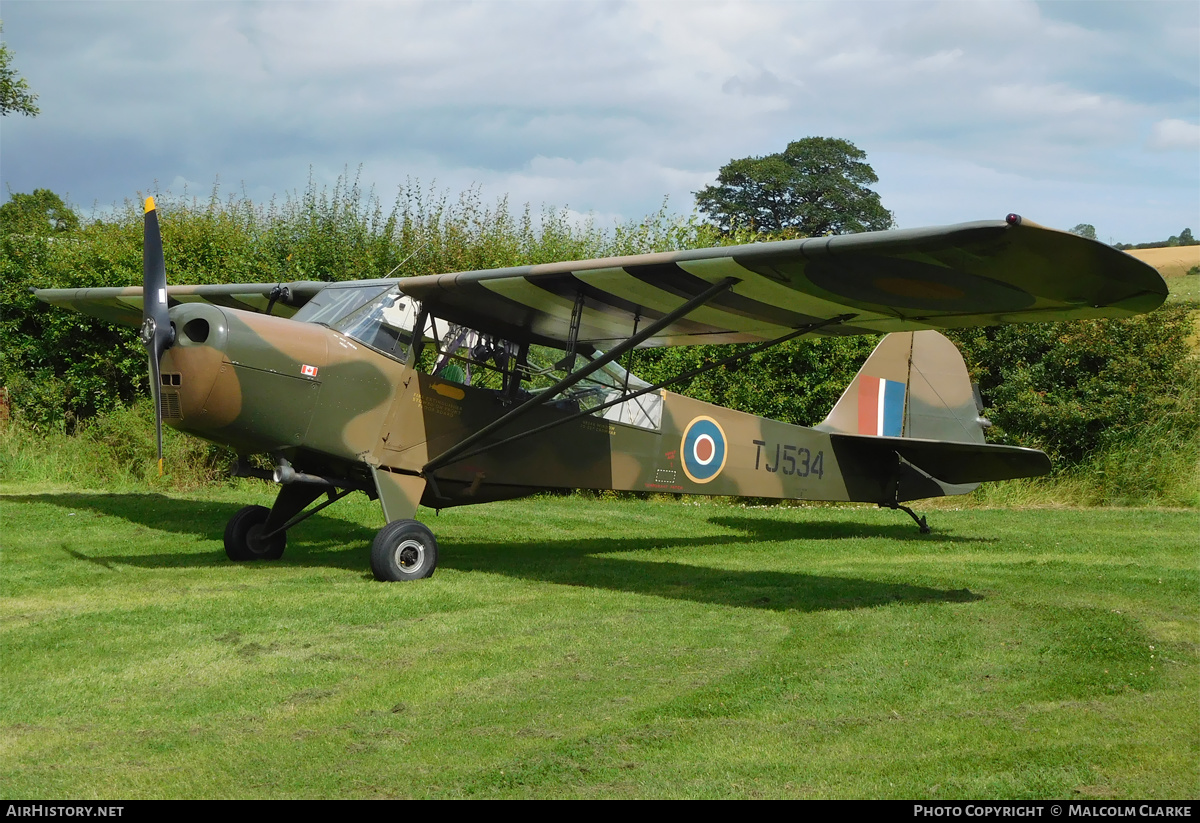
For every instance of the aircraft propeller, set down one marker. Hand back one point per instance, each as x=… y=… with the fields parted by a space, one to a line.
x=157 y=332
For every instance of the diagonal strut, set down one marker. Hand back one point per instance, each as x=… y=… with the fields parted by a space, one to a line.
x=574 y=377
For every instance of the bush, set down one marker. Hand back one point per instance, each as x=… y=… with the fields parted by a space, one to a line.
x=796 y=382
x=1076 y=389
x=112 y=449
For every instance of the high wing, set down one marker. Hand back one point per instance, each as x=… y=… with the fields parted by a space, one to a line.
x=123 y=304
x=971 y=274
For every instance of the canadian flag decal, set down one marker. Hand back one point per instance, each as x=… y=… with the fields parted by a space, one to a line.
x=308 y=371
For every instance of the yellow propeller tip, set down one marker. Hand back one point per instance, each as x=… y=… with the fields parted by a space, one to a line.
x=149 y=205
x=160 y=467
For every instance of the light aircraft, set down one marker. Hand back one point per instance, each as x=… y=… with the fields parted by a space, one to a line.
x=470 y=387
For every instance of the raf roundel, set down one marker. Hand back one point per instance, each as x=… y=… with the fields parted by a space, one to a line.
x=704 y=450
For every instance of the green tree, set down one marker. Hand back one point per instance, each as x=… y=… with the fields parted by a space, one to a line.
x=816 y=186
x=41 y=213
x=1183 y=239
x=1085 y=230
x=15 y=95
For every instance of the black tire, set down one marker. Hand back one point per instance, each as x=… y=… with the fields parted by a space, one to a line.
x=403 y=550
x=243 y=539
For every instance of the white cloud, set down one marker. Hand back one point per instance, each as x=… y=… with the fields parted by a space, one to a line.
x=944 y=60
x=606 y=107
x=1175 y=135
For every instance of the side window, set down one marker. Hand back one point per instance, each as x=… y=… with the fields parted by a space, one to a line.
x=603 y=390
x=472 y=358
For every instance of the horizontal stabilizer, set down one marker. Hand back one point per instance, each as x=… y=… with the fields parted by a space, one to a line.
x=954 y=463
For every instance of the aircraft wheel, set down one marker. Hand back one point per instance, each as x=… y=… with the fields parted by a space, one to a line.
x=243 y=536
x=403 y=550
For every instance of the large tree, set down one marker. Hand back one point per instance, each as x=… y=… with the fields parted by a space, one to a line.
x=15 y=95
x=816 y=186
x=41 y=213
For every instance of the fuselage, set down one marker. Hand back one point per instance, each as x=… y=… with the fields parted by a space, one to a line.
x=330 y=403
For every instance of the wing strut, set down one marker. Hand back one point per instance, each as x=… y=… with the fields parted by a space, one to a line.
x=568 y=361
x=574 y=377
x=687 y=375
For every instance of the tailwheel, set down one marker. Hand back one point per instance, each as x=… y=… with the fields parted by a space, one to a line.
x=920 y=521
x=244 y=540
x=403 y=550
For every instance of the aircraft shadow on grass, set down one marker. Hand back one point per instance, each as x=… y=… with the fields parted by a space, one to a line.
x=582 y=561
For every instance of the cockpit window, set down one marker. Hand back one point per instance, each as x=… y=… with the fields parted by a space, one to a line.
x=385 y=323
x=383 y=318
x=611 y=382
x=333 y=303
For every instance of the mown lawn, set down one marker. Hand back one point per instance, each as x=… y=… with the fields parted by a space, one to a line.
x=570 y=647
x=1184 y=289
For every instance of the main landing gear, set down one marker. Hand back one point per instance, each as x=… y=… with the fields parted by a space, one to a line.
x=403 y=549
x=244 y=536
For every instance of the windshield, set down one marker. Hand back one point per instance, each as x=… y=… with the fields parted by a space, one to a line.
x=385 y=323
x=334 y=302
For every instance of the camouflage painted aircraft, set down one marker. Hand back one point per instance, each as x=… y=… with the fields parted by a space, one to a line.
x=452 y=389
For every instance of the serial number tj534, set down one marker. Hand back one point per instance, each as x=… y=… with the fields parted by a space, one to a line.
x=795 y=460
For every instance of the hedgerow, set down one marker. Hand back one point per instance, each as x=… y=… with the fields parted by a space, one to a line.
x=1098 y=396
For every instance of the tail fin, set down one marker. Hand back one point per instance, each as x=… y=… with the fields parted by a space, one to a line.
x=914 y=384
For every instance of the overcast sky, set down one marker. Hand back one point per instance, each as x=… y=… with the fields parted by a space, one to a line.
x=1066 y=112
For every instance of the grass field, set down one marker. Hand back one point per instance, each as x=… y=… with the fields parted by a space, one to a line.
x=1184 y=289
x=1174 y=261
x=570 y=647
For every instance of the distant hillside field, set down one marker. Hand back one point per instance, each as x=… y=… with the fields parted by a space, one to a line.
x=1173 y=261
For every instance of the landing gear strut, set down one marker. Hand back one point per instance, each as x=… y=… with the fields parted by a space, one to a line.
x=259 y=533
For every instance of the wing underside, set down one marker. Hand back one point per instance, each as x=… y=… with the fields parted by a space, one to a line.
x=124 y=304
x=972 y=274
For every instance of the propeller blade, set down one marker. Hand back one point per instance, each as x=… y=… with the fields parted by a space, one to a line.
x=154 y=268
x=157 y=334
x=156 y=393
